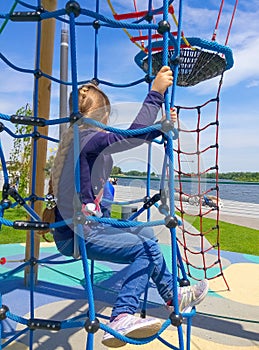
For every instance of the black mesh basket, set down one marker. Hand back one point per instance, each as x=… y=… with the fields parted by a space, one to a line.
x=194 y=66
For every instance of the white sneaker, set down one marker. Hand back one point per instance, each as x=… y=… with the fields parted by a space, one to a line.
x=190 y=296
x=130 y=326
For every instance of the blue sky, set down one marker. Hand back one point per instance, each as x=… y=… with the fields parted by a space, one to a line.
x=239 y=113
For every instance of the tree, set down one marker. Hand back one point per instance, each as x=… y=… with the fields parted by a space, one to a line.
x=116 y=170
x=21 y=152
x=49 y=165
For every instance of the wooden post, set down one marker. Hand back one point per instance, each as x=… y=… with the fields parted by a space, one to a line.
x=46 y=60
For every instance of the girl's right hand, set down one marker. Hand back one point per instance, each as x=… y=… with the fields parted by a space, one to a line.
x=163 y=80
x=91 y=209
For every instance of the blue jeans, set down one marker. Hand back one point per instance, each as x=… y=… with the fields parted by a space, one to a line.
x=137 y=247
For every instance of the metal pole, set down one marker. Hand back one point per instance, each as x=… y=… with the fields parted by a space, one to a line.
x=63 y=75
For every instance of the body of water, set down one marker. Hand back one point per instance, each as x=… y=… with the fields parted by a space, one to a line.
x=231 y=191
x=241 y=193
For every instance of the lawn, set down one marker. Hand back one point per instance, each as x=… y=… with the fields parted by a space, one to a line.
x=233 y=238
x=9 y=234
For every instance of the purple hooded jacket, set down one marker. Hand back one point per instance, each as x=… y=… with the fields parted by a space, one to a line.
x=96 y=161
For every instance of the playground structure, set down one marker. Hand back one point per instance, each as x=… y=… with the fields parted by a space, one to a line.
x=193 y=60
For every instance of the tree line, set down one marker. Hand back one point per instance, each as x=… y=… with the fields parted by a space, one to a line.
x=117 y=171
x=237 y=176
x=232 y=176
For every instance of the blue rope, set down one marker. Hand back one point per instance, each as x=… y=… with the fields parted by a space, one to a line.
x=59 y=81
x=96 y=42
x=14 y=337
x=8 y=274
x=4 y=167
x=123 y=132
x=123 y=203
x=54 y=14
x=152 y=12
x=135 y=341
x=6 y=222
x=72 y=323
x=117 y=24
x=4 y=116
x=17 y=136
x=4 y=16
x=104 y=21
x=216 y=47
x=22 y=70
x=168 y=38
x=88 y=283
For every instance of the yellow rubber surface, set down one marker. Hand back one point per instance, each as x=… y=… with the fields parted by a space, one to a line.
x=243 y=279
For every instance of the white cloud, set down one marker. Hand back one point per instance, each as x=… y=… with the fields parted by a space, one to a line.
x=246 y=67
x=253 y=83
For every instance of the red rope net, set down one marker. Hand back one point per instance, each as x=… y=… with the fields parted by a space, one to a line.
x=197 y=192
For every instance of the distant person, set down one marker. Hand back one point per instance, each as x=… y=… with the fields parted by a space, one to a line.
x=136 y=246
x=212 y=201
x=107 y=198
x=114 y=181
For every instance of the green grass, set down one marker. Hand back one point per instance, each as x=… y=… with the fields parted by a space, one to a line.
x=10 y=235
x=233 y=238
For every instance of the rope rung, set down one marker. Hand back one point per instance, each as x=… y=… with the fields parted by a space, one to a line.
x=37 y=323
x=30 y=225
x=26 y=16
x=21 y=119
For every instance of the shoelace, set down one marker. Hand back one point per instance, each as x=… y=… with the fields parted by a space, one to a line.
x=187 y=295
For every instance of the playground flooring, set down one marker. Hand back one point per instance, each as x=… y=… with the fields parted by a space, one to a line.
x=227 y=319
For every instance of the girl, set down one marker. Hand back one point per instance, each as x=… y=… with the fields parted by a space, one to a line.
x=137 y=247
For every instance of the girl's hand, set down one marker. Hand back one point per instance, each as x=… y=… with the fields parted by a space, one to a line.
x=91 y=209
x=173 y=115
x=163 y=80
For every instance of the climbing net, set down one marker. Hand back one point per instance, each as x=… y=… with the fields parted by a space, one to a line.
x=193 y=60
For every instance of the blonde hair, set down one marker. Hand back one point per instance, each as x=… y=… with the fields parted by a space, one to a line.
x=92 y=103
